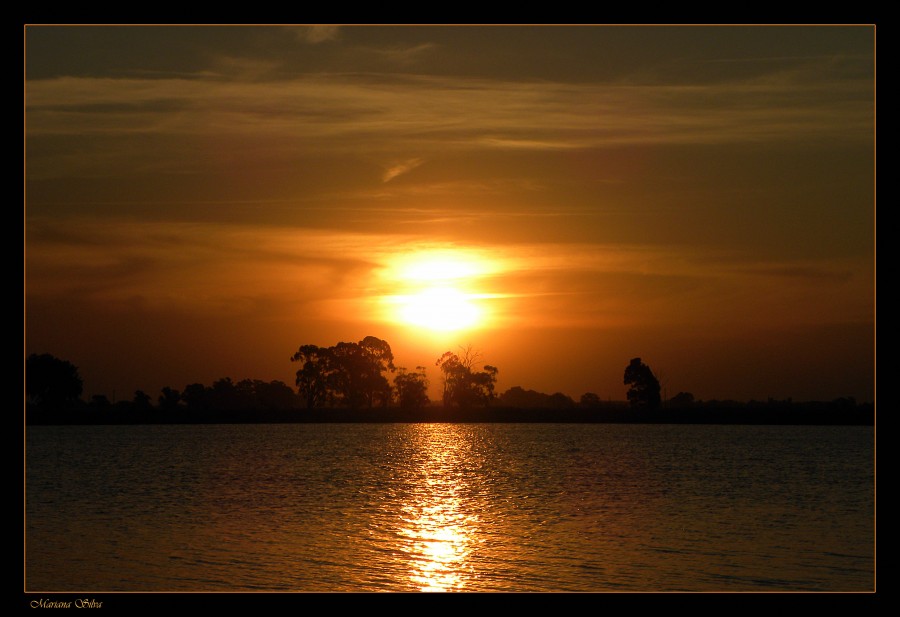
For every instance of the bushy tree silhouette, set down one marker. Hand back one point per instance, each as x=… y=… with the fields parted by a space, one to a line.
x=196 y=397
x=141 y=400
x=51 y=382
x=644 y=390
x=169 y=399
x=412 y=388
x=682 y=399
x=520 y=398
x=314 y=374
x=346 y=374
x=589 y=400
x=463 y=386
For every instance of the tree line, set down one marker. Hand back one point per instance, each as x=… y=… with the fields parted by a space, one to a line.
x=348 y=375
x=362 y=376
x=353 y=375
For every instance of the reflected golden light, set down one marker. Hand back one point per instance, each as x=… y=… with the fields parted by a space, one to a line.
x=439 y=538
x=437 y=289
x=439 y=530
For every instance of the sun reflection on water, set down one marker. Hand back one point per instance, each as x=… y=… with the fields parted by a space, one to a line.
x=438 y=530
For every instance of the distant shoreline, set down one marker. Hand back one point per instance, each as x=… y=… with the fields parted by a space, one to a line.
x=779 y=413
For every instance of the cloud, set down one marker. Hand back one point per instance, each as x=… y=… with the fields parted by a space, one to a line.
x=231 y=269
x=318 y=34
x=401 y=168
x=801 y=271
x=343 y=113
x=527 y=144
x=402 y=55
x=189 y=266
x=239 y=68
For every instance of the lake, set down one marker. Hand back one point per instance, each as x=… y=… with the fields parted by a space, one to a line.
x=449 y=507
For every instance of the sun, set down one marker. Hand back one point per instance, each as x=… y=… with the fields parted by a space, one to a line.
x=439 y=308
x=437 y=290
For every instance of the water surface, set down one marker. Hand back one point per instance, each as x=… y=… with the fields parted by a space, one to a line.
x=477 y=507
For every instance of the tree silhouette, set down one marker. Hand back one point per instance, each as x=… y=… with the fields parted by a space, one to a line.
x=520 y=398
x=51 y=382
x=224 y=395
x=348 y=374
x=643 y=392
x=196 y=396
x=589 y=400
x=682 y=399
x=272 y=395
x=356 y=380
x=463 y=386
x=314 y=374
x=379 y=358
x=412 y=388
x=141 y=400
x=169 y=399
x=100 y=402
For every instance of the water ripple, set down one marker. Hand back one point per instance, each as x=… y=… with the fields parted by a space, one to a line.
x=445 y=507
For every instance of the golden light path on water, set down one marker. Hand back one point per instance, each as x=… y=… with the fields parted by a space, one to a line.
x=438 y=530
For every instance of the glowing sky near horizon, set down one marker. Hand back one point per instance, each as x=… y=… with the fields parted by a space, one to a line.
x=200 y=201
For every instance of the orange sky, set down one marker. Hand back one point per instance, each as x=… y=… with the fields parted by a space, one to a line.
x=202 y=201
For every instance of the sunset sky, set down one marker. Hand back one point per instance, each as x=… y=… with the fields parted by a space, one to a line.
x=201 y=201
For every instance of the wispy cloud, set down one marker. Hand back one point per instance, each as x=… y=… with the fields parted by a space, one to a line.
x=239 y=68
x=318 y=34
x=101 y=126
x=192 y=267
x=451 y=112
x=402 y=55
x=398 y=169
x=527 y=144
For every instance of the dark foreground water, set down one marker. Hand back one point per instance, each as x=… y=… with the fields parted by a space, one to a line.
x=477 y=507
